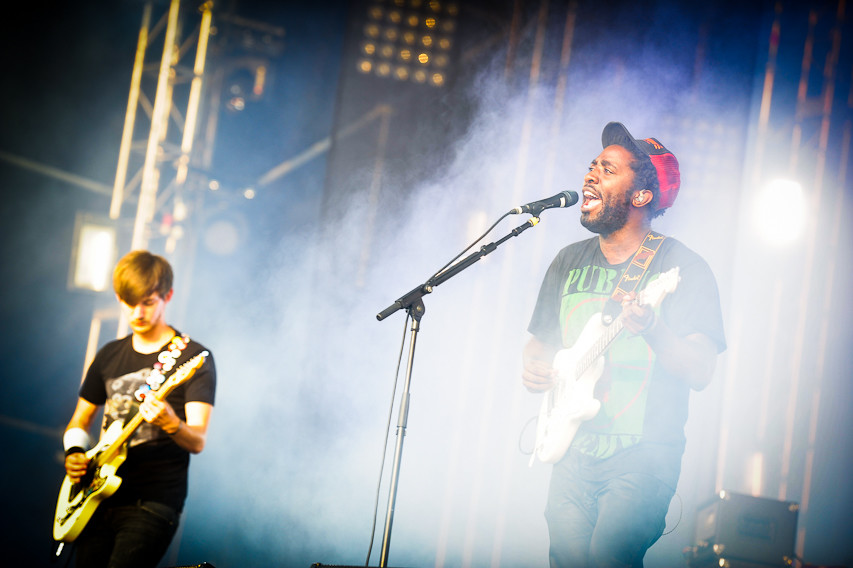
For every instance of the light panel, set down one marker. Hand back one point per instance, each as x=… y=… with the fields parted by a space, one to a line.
x=408 y=40
x=93 y=254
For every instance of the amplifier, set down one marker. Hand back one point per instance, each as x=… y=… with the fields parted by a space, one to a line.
x=744 y=529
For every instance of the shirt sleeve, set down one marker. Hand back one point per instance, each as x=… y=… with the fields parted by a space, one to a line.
x=695 y=307
x=202 y=386
x=93 y=387
x=545 y=321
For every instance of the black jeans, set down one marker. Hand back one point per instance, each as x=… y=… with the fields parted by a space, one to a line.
x=128 y=536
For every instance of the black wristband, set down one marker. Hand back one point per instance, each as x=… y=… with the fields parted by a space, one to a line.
x=74 y=450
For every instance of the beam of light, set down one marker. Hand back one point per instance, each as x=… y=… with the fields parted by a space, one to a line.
x=780 y=212
x=756 y=474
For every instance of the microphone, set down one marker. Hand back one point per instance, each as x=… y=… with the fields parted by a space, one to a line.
x=562 y=199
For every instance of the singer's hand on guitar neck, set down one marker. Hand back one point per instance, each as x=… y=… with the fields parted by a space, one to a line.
x=637 y=318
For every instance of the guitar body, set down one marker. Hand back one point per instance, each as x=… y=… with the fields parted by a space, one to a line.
x=571 y=402
x=78 y=501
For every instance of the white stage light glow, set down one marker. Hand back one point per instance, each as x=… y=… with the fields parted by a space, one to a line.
x=780 y=212
x=93 y=254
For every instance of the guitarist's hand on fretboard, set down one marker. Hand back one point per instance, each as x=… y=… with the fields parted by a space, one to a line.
x=637 y=318
x=159 y=413
x=76 y=465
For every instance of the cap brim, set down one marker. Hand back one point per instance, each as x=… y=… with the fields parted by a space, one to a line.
x=616 y=133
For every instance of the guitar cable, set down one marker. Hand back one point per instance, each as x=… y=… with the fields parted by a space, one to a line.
x=521 y=436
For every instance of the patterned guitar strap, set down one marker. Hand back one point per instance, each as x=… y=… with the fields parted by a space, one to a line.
x=632 y=276
x=166 y=361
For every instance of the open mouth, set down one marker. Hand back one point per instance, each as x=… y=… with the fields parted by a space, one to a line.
x=590 y=200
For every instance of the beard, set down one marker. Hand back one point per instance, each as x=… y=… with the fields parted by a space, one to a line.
x=611 y=217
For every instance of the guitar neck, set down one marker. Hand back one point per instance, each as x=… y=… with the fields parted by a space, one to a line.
x=110 y=452
x=601 y=345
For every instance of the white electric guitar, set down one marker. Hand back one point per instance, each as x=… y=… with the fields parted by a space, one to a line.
x=572 y=402
x=77 y=501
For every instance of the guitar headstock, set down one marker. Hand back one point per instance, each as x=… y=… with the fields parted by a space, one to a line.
x=666 y=283
x=184 y=372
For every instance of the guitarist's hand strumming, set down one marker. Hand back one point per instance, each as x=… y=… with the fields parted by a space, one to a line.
x=76 y=465
x=539 y=374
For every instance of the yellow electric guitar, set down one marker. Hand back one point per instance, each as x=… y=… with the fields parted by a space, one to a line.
x=572 y=402
x=78 y=501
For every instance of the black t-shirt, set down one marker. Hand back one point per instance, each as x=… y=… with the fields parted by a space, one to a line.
x=156 y=467
x=644 y=408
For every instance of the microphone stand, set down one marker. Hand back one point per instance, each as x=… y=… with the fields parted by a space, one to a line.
x=413 y=303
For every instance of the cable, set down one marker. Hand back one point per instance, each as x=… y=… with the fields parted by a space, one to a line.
x=387 y=434
x=680 y=513
x=469 y=247
x=521 y=435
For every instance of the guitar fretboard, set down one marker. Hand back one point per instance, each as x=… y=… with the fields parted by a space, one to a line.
x=595 y=350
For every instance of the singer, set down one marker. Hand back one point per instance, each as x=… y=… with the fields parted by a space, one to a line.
x=611 y=488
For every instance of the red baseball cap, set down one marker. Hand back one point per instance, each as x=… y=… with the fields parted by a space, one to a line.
x=669 y=178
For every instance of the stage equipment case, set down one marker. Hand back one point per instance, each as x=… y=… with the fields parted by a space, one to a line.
x=742 y=531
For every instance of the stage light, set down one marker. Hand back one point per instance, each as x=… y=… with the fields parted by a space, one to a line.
x=402 y=26
x=372 y=31
x=780 y=212
x=224 y=236
x=93 y=254
x=402 y=73
x=260 y=81
x=236 y=104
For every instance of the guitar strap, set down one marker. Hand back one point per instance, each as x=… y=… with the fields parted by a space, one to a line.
x=632 y=275
x=165 y=362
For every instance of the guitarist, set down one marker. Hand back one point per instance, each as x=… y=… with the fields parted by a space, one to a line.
x=134 y=527
x=610 y=492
